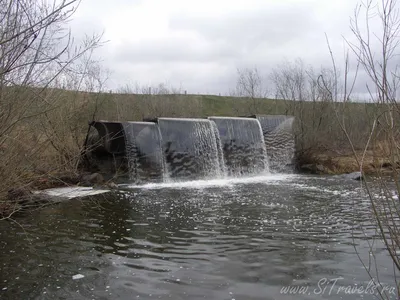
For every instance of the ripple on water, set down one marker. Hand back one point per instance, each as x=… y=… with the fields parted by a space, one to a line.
x=222 y=239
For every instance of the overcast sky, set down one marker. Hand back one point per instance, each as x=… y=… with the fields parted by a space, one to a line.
x=199 y=44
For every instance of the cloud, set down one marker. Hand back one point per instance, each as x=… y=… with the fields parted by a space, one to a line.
x=200 y=44
x=279 y=25
x=177 y=49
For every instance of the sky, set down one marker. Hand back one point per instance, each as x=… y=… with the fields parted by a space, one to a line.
x=199 y=45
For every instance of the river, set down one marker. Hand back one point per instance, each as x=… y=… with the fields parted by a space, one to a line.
x=270 y=237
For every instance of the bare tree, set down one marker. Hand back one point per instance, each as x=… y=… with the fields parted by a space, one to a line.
x=249 y=84
x=37 y=55
x=300 y=84
x=377 y=52
x=35 y=49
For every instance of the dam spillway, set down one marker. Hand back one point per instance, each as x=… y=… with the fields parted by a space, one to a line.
x=143 y=150
x=190 y=148
x=243 y=145
x=279 y=140
x=165 y=149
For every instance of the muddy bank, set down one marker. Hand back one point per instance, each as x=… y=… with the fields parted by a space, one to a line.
x=335 y=163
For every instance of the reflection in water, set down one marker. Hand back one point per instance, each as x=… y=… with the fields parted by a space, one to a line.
x=239 y=241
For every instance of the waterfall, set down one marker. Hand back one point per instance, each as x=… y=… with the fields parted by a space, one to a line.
x=279 y=140
x=243 y=145
x=190 y=148
x=221 y=158
x=144 y=151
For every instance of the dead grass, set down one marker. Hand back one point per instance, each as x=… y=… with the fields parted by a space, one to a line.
x=374 y=161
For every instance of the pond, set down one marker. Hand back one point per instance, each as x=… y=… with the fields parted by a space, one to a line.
x=269 y=237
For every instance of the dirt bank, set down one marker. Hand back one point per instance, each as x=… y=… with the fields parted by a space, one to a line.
x=335 y=163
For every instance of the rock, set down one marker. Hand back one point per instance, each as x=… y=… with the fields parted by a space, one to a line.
x=8 y=208
x=35 y=201
x=15 y=194
x=307 y=167
x=92 y=179
x=69 y=179
x=23 y=199
x=111 y=185
x=354 y=176
x=313 y=168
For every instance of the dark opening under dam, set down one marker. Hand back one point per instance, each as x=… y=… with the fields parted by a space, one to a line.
x=165 y=149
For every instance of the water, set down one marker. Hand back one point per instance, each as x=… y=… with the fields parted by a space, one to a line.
x=240 y=238
x=221 y=157
x=190 y=148
x=243 y=145
x=182 y=148
x=279 y=140
x=144 y=151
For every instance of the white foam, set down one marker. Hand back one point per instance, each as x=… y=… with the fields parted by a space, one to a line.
x=224 y=182
x=72 y=192
x=303 y=186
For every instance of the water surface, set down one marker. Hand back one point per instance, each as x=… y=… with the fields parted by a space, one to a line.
x=219 y=239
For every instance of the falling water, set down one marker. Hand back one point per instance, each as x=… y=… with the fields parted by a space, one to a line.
x=243 y=145
x=144 y=151
x=219 y=149
x=279 y=140
x=190 y=148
